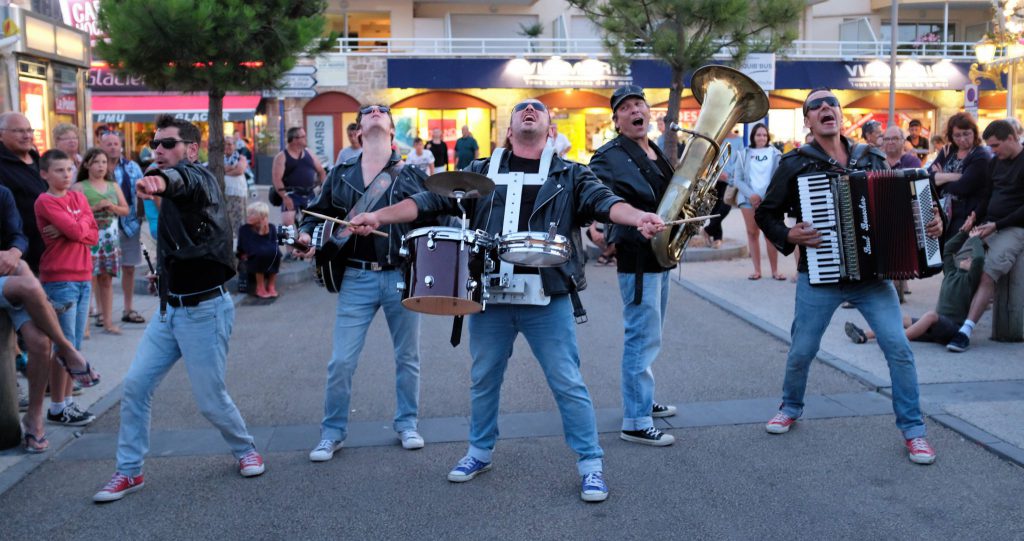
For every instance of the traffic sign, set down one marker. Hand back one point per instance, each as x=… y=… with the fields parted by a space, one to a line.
x=301 y=70
x=971 y=100
x=291 y=81
x=291 y=93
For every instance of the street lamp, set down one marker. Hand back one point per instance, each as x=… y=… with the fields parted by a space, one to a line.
x=985 y=52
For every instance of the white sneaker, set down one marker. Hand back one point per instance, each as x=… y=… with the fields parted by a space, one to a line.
x=324 y=450
x=411 y=439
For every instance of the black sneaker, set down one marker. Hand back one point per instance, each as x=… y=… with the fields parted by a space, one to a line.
x=648 y=436
x=71 y=416
x=662 y=410
x=959 y=343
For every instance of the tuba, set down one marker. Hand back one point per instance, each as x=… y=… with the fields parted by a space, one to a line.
x=726 y=97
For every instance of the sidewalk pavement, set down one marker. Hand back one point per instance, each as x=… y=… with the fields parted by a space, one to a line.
x=979 y=393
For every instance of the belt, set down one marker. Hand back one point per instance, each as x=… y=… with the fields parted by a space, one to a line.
x=367 y=265
x=193 y=299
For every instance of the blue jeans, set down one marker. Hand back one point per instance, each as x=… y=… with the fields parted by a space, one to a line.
x=644 y=323
x=200 y=335
x=362 y=293
x=551 y=332
x=878 y=303
x=71 y=302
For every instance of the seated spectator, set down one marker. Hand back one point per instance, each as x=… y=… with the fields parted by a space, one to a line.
x=961 y=269
x=23 y=298
x=257 y=247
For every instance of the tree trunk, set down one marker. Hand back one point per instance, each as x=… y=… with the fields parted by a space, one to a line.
x=215 y=146
x=10 y=430
x=675 y=95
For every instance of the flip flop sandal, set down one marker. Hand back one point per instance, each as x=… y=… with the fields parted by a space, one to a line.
x=34 y=445
x=132 y=316
x=779 y=277
x=754 y=276
x=75 y=374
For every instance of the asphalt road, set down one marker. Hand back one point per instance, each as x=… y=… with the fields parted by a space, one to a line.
x=844 y=477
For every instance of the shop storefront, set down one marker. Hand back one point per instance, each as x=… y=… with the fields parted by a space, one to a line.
x=583 y=117
x=49 y=65
x=326 y=118
x=876 y=107
x=420 y=115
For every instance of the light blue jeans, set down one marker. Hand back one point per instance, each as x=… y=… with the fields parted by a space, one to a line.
x=644 y=323
x=551 y=332
x=198 y=334
x=71 y=302
x=362 y=293
x=880 y=306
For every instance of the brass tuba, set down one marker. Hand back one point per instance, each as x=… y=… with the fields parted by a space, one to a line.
x=726 y=97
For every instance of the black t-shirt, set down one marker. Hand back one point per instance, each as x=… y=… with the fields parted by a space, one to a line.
x=528 y=201
x=440 y=152
x=363 y=248
x=195 y=276
x=1007 y=198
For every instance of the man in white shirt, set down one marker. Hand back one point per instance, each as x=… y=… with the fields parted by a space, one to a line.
x=560 y=141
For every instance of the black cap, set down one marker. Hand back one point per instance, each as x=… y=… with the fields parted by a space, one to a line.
x=628 y=91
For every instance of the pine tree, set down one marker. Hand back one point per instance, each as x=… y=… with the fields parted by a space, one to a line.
x=213 y=46
x=686 y=34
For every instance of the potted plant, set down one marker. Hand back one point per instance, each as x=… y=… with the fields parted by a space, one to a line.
x=532 y=32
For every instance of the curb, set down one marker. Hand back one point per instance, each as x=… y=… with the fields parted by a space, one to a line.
x=993 y=444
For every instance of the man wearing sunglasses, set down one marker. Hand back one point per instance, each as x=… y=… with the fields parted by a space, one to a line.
x=876 y=299
x=196 y=313
x=636 y=170
x=543 y=193
x=374 y=179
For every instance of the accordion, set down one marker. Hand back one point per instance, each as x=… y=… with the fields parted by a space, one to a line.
x=872 y=225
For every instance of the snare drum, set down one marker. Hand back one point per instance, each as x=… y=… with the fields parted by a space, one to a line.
x=445 y=272
x=532 y=249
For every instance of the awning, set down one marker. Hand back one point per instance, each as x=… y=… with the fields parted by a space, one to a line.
x=190 y=107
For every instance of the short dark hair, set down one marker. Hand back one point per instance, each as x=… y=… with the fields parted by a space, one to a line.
x=50 y=156
x=417 y=140
x=352 y=126
x=914 y=122
x=1000 y=129
x=187 y=130
x=870 y=127
x=813 y=90
x=292 y=133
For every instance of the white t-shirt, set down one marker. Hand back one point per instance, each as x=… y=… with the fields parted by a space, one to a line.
x=759 y=169
x=423 y=161
x=561 y=143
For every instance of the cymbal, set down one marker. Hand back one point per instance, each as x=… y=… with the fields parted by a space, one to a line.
x=459 y=183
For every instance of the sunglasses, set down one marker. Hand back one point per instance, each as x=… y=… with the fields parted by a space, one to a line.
x=816 y=103
x=537 y=106
x=369 y=109
x=168 y=143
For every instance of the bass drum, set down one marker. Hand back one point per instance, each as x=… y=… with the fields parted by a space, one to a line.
x=534 y=249
x=445 y=270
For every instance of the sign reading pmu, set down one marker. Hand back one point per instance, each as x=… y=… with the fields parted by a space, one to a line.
x=558 y=73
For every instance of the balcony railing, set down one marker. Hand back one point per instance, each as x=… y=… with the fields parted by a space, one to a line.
x=542 y=47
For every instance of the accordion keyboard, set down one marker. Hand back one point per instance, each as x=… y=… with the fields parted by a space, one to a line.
x=924 y=213
x=824 y=262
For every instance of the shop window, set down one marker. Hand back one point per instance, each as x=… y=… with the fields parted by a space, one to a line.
x=411 y=122
x=361 y=30
x=919 y=38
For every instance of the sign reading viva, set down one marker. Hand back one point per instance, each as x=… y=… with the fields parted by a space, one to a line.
x=909 y=75
x=557 y=73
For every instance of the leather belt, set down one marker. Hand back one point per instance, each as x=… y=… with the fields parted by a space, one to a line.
x=367 y=265
x=193 y=299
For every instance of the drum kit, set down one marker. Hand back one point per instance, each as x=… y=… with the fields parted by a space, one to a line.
x=448 y=266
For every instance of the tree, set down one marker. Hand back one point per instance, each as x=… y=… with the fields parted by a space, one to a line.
x=212 y=46
x=685 y=34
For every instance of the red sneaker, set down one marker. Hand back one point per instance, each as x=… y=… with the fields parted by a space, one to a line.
x=251 y=464
x=119 y=486
x=779 y=424
x=919 y=451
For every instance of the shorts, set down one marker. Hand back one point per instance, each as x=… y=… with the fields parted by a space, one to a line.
x=1004 y=248
x=745 y=205
x=131 y=250
x=941 y=332
x=19 y=316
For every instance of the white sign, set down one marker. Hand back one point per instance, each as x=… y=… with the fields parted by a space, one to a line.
x=290 y=81
x=301 y=70
x=971 y=100
x=332 y=71
x=761 y=68
x=320 y=138
x=290 y=93
x=81 y=14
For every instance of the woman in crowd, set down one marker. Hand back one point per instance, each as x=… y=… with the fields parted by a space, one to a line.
x=67 y=139
x=753 y=173
x=236 y=188
x=95 y=180
x=960 y=172
x=257 y=247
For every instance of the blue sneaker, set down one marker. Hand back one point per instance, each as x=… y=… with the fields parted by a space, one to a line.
x=593 y=488
x=467 y=469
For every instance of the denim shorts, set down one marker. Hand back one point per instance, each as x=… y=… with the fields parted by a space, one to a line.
x=19 y=316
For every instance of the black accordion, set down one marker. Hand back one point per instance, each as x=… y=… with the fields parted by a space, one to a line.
x=872 y=225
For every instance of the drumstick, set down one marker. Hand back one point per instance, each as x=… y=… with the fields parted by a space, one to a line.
x=342 y=222
x=695 y=219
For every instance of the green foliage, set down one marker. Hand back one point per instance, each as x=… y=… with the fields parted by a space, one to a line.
x=206 y=45
x=531 y=31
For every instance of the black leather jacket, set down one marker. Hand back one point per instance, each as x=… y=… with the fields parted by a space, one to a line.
x=571 y=197
x=783 y=196
x=625 y=168
x=343 y=189
x=193 y=223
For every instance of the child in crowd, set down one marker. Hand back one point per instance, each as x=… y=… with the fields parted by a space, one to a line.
x=65 y=270
x=961 y=276
x=95 y=181
x=257 y=247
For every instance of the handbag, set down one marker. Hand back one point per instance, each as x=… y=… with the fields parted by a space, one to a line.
x=731 y=195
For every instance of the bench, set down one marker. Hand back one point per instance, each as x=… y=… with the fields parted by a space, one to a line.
x=1008 y=308
x=10 y=429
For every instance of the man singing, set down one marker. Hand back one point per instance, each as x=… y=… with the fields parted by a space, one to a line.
x=876 y=299
x=542 y=191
